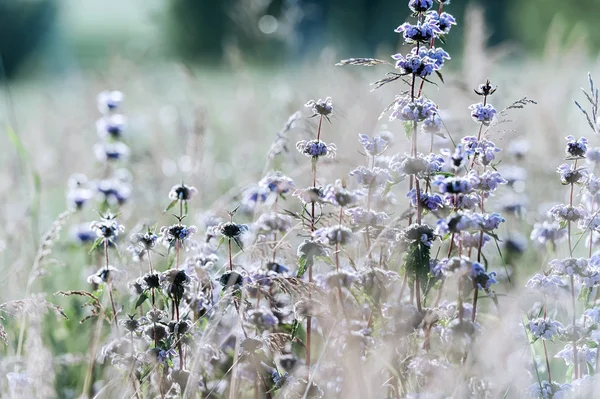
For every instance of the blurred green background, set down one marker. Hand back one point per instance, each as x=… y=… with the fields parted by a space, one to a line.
x=58 y=36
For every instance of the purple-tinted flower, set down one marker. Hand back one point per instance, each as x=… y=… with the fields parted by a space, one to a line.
x=480 y=277
x=274 y=222
x=417 y=110
x=547 y=390
x=571 y=175
x=371 y=178
x=463 y=201
x=421 y=32
x=310 y=195
x=277 y=182
x=83 y=234
x=585 y=355
x=455 y=185
x=592 y=156
x=321 y=107
x=443 y=21
x=113 y=191
x=316 y=148
x=483 y=113
x=417 y=64
x=111 y=151
x=593 y=184
x=78 y=197
x=545 y=328
x=109 y=100
x=373 y=146
x=170 y=235
x=418 y=233
x=489 y=181
x=460 y=155
x=254 y=196
x=548 y=285
x=567 y=213
x=363 y=217
x=432 y=124
x=468 y=240
x=457 y=224
x=439 y=55
x=334 y=235
x=576 y=148
x=182 y=192
x=111 y=125
x=422 y=166
x=484 y=150
x=569 y=266
x=420 y=5
x=107 y=227
x=488 y=221
x=430 y=202
x=548 y=232
x=336 y=194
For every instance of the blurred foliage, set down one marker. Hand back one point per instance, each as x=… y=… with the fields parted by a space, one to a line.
x=24 y=24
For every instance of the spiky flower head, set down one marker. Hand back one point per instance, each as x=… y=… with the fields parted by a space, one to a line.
x=182 y=192
x=420 y=5
x=576 y=148
x=321 y=107
x=107 y=227
x=422 y=32
x=316 y=148
x=483 y=113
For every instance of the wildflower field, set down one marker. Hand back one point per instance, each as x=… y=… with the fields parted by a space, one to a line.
x=388 y=227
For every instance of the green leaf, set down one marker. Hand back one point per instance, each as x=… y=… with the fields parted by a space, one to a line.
x=221 y=241
x=303 y=262
x=325 y=259
x=295 y=325
x=97 y=243
x=171 y=205
x=439 y=74
x=185 y=208
x=141 y=299
x=416 y=261
x=408 y=129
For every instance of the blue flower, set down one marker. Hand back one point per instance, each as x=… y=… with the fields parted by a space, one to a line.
x=548 y=232
x=109 y=100
x=483 y=113
x=430 y=202
x=418 y=64
x=110 y=126
x=545 y=328
x=576 y=148
x=443 y=21
x=483 y=149
x=417 y=110
x=316 y=148
x=489 y=181
x=433 y=124
x=373 y=146
x=277 y=182
x=422 y=32
x=460 y=155
x=371 y=178
x=480 y=277
x=420 y=5
x=455 y=185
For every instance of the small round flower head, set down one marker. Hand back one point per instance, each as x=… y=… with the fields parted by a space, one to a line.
x=489 y=181
x=316 y=148
x=432 y=124
x=473 y=240
x=418 y=233
x=107 y=227
x=438 y=55
x=310 y=195
x=570 y=175
x=262 y=318
x=182 y=192
x=142 y=243
x=481 y=278
x=593 y=184
x=443 y=21
x=78 y=197
x=548 y=232
x=430 y=202
x=111 y=126
x=105 y=275
x=569 y=266
x=418 y=110
x=170 y=235
x=418 y=64
x=363 y=217
x=459 y=156
x=83 y=234
x=549 y=285
x=277 y=183
x=422 y=32
x=422 y=166
x=109 y=100
x=111 y=151
x=576 y=148
x=337 y=194
x=567 y=213
x=321 y=107
x=420 y=5
x=547 y=390
x=149 y=281
x=274 y=222
x=341 y=279
x=484 y=150
x=112 y=191
x=488 y=221
x=463 y=201
x=455 y=185
x=457 y=223
x=483 y=113
x=485 y=89
x=371 y=178
x=174 y=282
x=545 y=328
x=334 y=235
x=254 y=196
x=585 y=355
x=373 y=146
x=232 y=231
